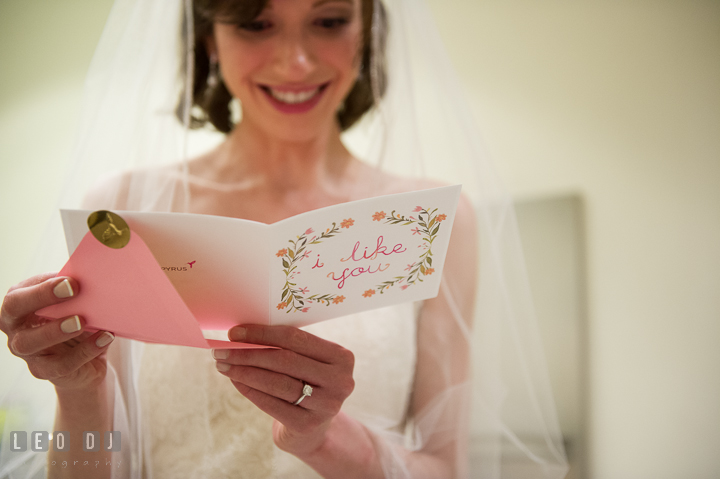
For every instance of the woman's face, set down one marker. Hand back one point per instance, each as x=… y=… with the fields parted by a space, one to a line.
x=293 y=65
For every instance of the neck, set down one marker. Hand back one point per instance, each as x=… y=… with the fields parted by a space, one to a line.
x=284 y=165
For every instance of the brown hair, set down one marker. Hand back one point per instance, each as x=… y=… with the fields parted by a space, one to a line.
x=212 y=104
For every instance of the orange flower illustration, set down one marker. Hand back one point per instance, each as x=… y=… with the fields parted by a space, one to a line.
x=281 y=305
x=378 y=216
x=347 y=223
x=368 y=293
x=339 y=299
x=442 y=217
x=281 y=252
x=430 y=271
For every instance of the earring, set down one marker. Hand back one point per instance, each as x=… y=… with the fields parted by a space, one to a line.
x=214 y=73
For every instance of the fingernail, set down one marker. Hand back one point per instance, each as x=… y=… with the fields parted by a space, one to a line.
x=221 y=353
x=71 y=325
x=63 y=289
x=104 y=339
x=222 y=367
x=237 y=334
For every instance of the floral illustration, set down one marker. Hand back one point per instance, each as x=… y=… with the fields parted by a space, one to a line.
x=293 y=297
x=427 y=225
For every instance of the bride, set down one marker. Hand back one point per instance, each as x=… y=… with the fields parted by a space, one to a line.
x=384 y=393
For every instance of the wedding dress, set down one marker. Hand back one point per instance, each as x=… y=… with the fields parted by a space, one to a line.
x=198 y=425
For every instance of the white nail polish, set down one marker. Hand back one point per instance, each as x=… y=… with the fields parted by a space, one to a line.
x=222 y=367
x=104 y=339
x=63 y=289
x=221 y=353
x=70 y=325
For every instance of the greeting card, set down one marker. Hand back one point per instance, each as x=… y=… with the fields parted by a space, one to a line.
x=186 y=279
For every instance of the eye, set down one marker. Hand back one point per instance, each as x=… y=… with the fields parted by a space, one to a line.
x=331 y=23
x=256 y=26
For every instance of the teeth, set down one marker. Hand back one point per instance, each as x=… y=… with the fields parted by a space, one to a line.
x=293 y=97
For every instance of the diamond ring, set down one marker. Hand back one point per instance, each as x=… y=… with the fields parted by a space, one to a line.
x=307 y=391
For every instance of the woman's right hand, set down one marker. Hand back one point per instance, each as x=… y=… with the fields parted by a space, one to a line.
x=57 y=350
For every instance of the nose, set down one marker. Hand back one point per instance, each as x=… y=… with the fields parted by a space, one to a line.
x=294 y=58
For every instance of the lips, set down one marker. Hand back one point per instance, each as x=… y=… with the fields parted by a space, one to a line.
x=294 y=99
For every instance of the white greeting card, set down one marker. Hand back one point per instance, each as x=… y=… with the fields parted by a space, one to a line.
x=318 y=265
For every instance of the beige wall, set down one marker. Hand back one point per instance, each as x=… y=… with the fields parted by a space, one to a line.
x=617 y=101
x=45 y=50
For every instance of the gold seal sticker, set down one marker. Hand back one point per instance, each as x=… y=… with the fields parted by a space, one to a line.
x=109 y=229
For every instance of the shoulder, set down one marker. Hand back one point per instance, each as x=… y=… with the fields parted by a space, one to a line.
x=127 y=190
x=108 y=192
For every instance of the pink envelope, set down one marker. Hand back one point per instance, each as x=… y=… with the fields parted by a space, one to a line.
x=125 y=291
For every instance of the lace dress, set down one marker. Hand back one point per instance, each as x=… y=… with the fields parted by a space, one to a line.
x=196 y=424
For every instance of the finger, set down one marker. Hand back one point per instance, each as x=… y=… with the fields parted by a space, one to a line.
x=277 y=385
x=40 y=278
x=28 y=341
x=294 y=339
x=55 y=366
x=282 y=361
x=294 y=417
x=23 y=301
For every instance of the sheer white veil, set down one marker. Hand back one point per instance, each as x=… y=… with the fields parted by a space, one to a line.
x=421 y=127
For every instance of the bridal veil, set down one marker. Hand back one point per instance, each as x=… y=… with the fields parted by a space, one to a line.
x=420 y=126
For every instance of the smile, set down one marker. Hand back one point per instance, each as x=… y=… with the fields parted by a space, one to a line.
x=294 y=100
x=294 y=97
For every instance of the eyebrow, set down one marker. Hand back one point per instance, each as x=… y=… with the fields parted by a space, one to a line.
x=322 y=2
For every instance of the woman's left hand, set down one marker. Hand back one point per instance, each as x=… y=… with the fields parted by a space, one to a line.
x=273 y=379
